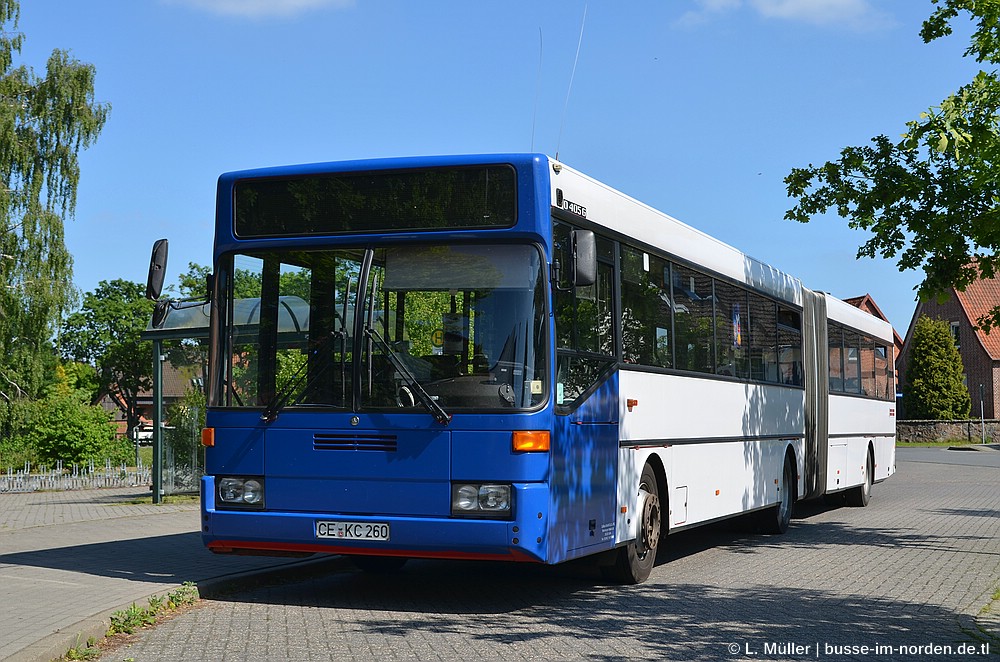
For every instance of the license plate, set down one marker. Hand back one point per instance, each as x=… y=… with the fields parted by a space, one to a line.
x=353 y=530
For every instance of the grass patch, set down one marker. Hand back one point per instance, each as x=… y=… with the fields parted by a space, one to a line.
x=127 y=621
x=89 y=651
x=940 y=444
x=992 y=604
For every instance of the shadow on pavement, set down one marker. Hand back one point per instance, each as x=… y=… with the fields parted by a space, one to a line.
x=167 y=559
x=510 y=603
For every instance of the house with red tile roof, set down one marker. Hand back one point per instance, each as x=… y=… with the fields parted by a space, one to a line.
x=177 y=381
x=980 y=351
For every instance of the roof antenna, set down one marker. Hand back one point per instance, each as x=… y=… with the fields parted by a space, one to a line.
x=562 y=121
x=538 y=85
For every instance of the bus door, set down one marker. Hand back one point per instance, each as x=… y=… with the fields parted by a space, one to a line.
x=585 y=435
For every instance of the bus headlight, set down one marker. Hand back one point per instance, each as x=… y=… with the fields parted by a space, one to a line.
x=240 y=491
x=481 y=499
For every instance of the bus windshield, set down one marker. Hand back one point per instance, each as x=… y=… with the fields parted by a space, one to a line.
x=408 y=328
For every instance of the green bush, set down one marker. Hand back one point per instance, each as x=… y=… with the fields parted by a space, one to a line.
x=63 y=426
x=15 y=451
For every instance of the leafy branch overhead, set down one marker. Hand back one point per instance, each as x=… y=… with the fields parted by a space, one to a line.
x=930 y=199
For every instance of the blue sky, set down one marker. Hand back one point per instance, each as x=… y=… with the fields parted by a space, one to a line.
x=696 y=107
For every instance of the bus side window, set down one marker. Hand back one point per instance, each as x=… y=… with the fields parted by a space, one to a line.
x=646 y=323
x=789 y=347
x=692 y=298
x=763 y=340
x=836 y=339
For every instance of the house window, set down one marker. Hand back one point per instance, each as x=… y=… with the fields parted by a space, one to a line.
x=955 y=334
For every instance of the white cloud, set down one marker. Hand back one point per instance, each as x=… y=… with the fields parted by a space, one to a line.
x=853 y=14
x=708 y=9
x=262 y=8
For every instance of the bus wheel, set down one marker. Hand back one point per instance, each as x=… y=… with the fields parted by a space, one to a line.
x=634 y=562
x=379 y=564
x=777 y=518
x=862 y=494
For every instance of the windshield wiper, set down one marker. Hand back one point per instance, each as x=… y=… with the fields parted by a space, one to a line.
x=439 y=414
x=281 y=399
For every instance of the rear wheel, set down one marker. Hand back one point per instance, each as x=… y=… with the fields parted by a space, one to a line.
x=634 y=562
x=860 y=496
x=777 y=518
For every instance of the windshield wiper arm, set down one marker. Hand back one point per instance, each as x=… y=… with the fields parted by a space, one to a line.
x=439 y=414
x=280 y=400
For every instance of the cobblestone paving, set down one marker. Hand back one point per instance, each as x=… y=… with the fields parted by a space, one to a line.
x=911 y=570
x=66 y=558
x=31 y=509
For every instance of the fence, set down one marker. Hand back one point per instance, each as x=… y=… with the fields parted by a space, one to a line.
x=77 y=477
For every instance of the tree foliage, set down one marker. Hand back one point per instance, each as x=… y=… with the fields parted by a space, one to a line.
x=933 y=382
x=44 y=123
x=105 y=333
x=930 y=200
x=192 y=283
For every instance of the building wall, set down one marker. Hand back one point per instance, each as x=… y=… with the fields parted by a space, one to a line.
x=979 y=367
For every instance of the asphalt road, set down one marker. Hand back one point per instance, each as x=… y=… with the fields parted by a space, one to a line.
x=905 y=578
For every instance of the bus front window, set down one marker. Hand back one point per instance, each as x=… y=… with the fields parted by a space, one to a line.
x=459 y=325
x=286 y=328
x=465 y=321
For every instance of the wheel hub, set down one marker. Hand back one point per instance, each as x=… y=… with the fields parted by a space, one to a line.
x=649 y=532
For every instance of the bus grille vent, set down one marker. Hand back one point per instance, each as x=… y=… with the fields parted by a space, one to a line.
x=324 y=441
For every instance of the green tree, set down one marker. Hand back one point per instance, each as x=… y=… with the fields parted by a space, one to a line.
x=105 y=333
x=44 y=123
x=81 y=378
x=933 y=382
x=193 y=282
x=931 y=200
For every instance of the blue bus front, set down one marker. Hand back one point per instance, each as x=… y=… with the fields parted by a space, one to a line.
x=381 y=352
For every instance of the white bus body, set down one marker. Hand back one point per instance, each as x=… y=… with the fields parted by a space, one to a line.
x=722 y=444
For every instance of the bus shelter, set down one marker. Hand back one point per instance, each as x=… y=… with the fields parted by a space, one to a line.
x=180 y=340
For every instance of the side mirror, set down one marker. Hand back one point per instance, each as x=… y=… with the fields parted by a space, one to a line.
x=584 y=247
x=160 y=311
x=157 y=270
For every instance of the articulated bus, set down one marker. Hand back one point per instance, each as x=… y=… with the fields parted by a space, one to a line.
x=496 y=357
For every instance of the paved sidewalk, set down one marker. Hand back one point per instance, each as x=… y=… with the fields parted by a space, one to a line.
x=70 y=559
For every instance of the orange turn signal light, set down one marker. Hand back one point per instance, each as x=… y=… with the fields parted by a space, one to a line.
x=530 y=441
x=208 y=436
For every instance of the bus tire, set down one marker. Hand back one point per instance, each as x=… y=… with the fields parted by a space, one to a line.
x=777 y=518
x=858 y=497
x=634 y=561
x=379 y=564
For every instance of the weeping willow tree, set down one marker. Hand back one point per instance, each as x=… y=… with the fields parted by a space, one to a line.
x=44 y=123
